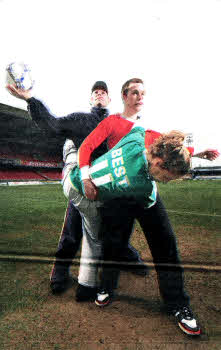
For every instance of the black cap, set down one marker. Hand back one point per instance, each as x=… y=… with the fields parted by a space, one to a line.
x=100 y=84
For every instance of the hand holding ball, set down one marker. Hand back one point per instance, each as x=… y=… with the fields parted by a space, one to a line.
x=19 y=74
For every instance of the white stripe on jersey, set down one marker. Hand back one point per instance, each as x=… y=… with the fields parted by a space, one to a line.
x=98 y=166
x=102 y=180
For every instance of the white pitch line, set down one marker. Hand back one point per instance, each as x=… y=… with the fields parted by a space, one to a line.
x=26 y=258
x=192 y=213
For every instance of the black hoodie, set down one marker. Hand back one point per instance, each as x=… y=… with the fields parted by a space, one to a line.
x=75 y=126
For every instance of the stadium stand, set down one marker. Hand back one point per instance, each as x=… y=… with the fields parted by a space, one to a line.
x=212 y=172
x=29 y=175
x=26 y=152
x=19 y=174
x=52 y=174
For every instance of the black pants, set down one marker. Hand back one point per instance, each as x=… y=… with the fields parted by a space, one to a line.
x=71 y=236
x=162 y=243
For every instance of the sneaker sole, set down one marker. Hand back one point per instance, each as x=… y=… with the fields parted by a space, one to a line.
x=102 y=303
x=187 y=331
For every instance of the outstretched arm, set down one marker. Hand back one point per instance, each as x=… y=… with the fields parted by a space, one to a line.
x=208 y=154
x=71 y=126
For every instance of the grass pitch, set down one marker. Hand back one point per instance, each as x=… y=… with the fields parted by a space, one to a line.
x=31 y=218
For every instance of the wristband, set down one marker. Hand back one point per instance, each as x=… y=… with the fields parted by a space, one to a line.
x=85 y=173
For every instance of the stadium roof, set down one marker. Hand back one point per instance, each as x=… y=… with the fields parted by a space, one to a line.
x=9 y=110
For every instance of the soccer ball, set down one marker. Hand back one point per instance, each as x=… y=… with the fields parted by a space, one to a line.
x=19 y=74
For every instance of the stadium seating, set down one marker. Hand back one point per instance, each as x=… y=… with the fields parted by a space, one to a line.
x=19 y=174
x=26 y=152
x=52 y=174
x=11 y=155
x=29 y=175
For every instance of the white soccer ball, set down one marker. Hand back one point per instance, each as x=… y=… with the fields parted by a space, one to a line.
x=19 y=73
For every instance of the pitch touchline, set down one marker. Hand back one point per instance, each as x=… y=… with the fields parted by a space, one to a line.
x=39 y=259
x=192 y=213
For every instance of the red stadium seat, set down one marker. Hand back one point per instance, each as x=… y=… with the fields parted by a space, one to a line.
x=29 y=175
x=19 y=174
x=52 y=174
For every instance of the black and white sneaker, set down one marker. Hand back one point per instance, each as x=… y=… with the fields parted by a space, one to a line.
x=103 y=298
x=186 y=321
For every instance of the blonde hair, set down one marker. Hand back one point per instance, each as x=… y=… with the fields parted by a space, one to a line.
x=170 y=148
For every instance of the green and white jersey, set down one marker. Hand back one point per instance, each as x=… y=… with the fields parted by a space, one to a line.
x=122 y=172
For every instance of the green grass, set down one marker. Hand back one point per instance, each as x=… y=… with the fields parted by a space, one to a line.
x=197 y=203
x=31 y=219
x=194 y=208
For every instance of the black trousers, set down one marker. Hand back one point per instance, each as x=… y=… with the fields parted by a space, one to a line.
x=71 y=237
x=162 y=244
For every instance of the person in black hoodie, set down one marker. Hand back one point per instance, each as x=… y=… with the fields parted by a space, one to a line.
x=76 y=127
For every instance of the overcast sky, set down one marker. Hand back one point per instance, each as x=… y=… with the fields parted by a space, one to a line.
x=173 y=45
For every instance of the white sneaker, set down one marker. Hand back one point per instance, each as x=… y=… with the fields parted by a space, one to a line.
x=186 y=321
x=103 y=298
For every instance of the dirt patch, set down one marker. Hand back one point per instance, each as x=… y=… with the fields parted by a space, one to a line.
x=205 y=249
x=134 y=320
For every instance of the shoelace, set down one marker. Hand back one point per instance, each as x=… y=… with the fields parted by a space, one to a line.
x=185 y=312
x=103 y=292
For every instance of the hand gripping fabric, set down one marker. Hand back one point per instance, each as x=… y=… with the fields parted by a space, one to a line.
x=122 y=171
